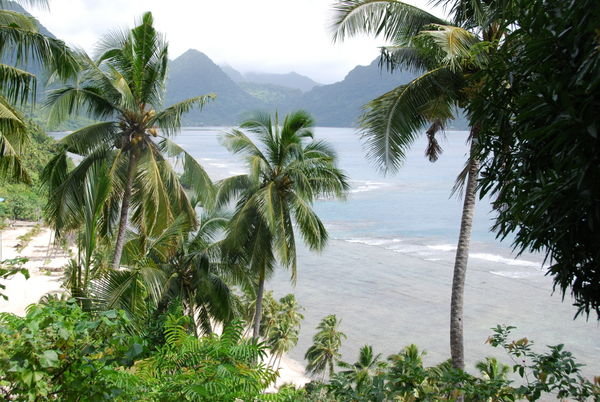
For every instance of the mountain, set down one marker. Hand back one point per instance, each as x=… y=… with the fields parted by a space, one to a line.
x=290 y=80
x=232 y=73
x=335 y=105
x=273 y=95
x=340 y=104
x=193 y=74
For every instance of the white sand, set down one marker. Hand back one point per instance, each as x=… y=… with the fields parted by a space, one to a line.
x=290 y=372
x=41 y=254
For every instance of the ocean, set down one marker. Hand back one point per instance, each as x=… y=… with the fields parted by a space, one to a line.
x=387 y=269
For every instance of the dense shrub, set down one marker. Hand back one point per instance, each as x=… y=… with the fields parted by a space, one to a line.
x=58 y=351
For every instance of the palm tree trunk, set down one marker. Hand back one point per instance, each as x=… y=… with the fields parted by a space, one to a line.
x=462 y=256
x=259 y=300
x=120 y=243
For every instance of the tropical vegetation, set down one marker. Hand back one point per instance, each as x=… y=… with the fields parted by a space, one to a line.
x=287 y=173
x=124 y=88
x=20 y=42
x=325 y=350
x=540 y=149
x=165 y=297
x=446 y=54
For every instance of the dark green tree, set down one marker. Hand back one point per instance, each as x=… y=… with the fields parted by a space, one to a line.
x=538 y=104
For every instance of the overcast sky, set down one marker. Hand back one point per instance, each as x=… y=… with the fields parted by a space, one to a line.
x=250 y=35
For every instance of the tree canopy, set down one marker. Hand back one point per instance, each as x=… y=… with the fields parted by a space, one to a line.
x=540 y=145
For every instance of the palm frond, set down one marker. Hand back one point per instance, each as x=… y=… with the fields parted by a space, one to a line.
x=31 y=45
x=392 y=122
x=13 y=18
x=193 y=173
x=72 y=100
x=16 y=83
x=392 y=19
x=169 y=120
x=456 y=44
x=13 y=138
x=86 y=139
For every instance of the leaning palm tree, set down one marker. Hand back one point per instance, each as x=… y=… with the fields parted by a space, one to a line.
x=325 y=350
x=287 y=174
x=445 y=56
x=124 y=88
x=20 y=42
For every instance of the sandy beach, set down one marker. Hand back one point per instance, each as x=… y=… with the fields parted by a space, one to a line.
x=44 y=263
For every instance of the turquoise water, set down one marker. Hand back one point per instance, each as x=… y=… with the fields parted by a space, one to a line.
x=387 y=269
x=410 y=211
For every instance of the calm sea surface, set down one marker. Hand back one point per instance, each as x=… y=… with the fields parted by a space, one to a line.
x=387 y=270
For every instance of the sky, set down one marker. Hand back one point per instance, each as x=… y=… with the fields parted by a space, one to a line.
x=276 y=36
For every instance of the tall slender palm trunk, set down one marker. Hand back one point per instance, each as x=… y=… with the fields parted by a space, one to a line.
x=120 y=243
x=259 y=300
x=462 y=256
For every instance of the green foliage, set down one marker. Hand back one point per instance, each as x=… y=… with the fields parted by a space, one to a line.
x=288 y=171
x=553 y=372
x=210 y=368
x=540 y=141
x=10 y=268
x=25 y=201
x=20 y=42
x=124 y=89
x=57 y=350
x=282 y=328
x=325 y=350
x=404 y=377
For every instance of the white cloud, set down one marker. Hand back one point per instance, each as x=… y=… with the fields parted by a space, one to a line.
x=250 y=35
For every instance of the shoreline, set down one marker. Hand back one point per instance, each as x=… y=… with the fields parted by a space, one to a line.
x=22 y=292
x=392 y=299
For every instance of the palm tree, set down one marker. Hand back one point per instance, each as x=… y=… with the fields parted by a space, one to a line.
x=123 y=88
x=325 y=350
x=21 y=41
x=445 y=55
x=282 y=337
x=286 y=175
x=364 y=369
x=200 y=277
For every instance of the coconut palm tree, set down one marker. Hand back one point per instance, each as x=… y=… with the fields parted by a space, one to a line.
x=200 y=277
x=362 y=372
x=20 y=42
x=282 y=337
x=447 y=56
x=124 y=88
x=287 y=172
x=325 y=350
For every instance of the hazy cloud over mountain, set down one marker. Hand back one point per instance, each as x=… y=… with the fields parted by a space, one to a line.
x=274 y=36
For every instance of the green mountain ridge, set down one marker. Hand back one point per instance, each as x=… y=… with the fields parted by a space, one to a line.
x=291 y=80
x=333 y=105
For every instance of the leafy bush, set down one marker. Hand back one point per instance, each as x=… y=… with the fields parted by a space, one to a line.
x=404 y=377
x=26 y=201
x=58 y=351
x=223 y=368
